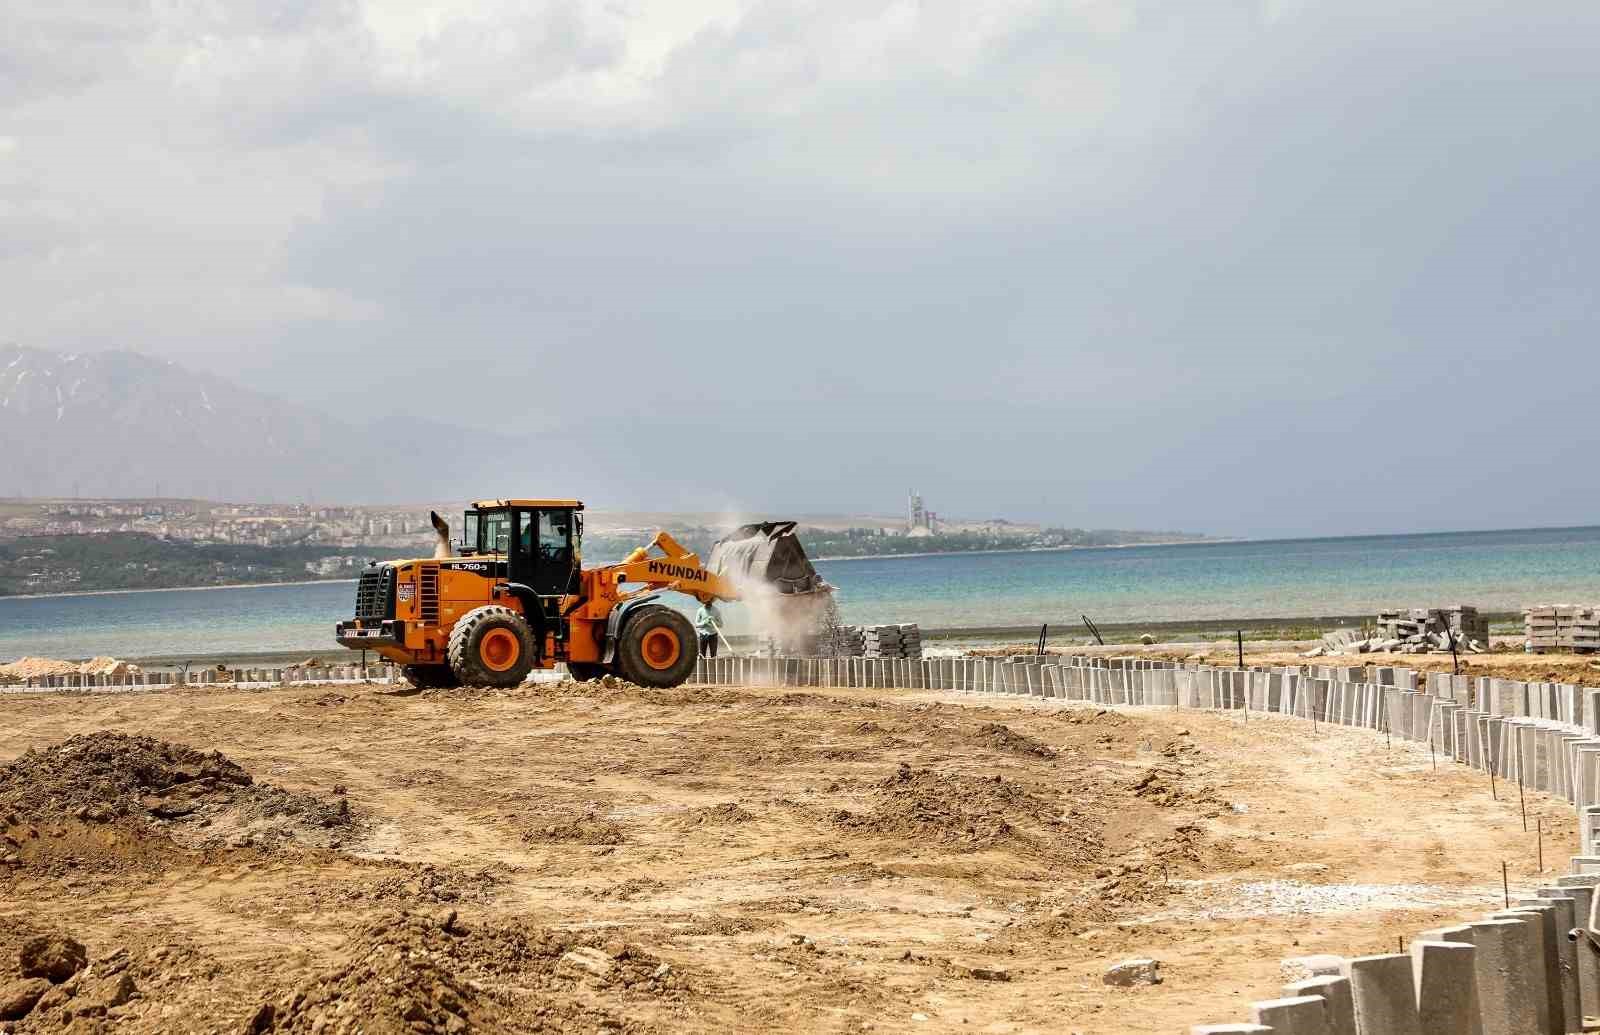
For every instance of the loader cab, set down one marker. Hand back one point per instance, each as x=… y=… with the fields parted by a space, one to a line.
x=540 y=540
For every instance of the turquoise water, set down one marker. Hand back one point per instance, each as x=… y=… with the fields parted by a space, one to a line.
x=1496 y=571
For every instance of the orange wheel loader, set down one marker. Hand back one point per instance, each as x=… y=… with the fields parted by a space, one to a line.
x=516 y=597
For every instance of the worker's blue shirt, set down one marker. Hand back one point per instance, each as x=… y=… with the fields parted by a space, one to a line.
x=705 y=621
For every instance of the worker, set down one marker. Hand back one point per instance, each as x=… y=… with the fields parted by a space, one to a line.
x=706 y=621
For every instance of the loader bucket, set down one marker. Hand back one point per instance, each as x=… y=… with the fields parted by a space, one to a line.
x=768 y=553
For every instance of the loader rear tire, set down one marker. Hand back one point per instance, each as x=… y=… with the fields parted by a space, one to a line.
x=492 y=646
x=430 y=677
x=583 y=671
x=656 y=648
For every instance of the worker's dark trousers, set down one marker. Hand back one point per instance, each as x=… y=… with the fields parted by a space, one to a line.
x=708 y=645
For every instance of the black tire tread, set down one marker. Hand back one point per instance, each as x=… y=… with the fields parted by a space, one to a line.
x=630 y=660
x=464 y=659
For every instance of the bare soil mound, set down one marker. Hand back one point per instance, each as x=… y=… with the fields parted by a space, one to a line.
x=397 y=975
x=588 y=829
x=135 y=784
x=411 y=973
x=600 y=686
x=726 y=814
x=1168 y=787
x=968 y=813
x=1000 y=737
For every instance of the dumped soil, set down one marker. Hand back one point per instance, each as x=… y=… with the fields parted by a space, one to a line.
x=587 y=830
x=430 y=975
x=36 y=668
x=141 y=787
x=1166 y=786
x=1003 y=738
x=726 y=814
x=970 y=814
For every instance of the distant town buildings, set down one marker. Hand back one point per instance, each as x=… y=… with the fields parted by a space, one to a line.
x=338 y=564
x=240 y=524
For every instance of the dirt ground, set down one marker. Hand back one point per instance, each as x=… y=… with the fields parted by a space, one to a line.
x=581 y=858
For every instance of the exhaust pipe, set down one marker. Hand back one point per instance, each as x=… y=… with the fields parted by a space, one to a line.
x=441 y=549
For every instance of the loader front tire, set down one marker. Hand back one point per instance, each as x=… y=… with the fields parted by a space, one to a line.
x=430 y=677
x=492 y=646
x=656 y=648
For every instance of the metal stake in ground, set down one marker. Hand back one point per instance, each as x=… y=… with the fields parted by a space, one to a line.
x=1043 y=629
x=1523 y=801
x=1505 y=883
x=1093 y=631
x=1240 y=633
x=1539 y=825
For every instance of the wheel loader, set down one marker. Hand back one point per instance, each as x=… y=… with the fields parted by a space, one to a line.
x=515 y=597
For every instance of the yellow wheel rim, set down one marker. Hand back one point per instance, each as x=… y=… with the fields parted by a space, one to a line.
x=660 y=648
x=500 y=649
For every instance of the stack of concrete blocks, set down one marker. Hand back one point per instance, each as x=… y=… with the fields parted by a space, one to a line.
x=850 y=641
x=883 y=641
x=890 y=641
x=1424 y=629
x=1551 y=627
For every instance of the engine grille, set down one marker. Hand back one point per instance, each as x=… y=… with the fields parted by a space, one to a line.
x=428 y=593
x=375 y=594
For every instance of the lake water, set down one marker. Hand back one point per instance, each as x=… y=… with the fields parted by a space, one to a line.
x=1495 y=571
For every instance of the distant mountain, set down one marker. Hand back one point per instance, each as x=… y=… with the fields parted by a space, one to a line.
x=123 y=424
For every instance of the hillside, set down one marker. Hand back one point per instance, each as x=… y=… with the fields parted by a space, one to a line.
x=120 y=424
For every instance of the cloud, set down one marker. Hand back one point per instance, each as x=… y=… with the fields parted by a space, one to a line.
x=1042 y=258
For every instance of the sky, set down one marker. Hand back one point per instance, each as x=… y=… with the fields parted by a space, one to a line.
x=1246 y=267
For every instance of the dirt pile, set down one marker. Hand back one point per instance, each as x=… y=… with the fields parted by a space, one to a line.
x=726 y=814
x=51 y=985
x=569 y=685
x=591 y=828
x=968 y=813
x=440 y=885
x=1000 y=737
x=138 y=783
x=37 y=668
x=399 y=975
x=107 y=666
x=410 y=973
x=1169 y=787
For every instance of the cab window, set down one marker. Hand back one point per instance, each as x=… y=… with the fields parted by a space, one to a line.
x=496 y=532
x=555 y=535
x=469 y=531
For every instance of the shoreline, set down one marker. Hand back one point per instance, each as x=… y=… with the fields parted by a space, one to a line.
x=863 y=557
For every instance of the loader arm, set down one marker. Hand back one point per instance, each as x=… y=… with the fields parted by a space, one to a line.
x=677 y=568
